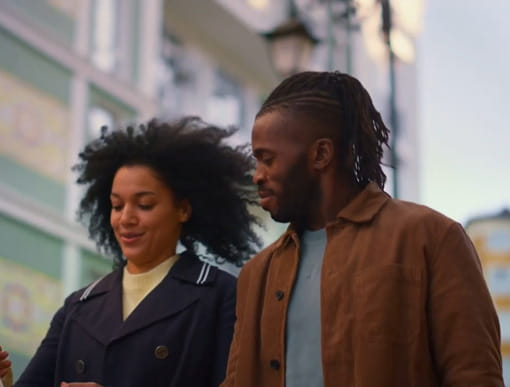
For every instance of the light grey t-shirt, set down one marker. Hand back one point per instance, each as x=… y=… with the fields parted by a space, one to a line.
x=303 y=334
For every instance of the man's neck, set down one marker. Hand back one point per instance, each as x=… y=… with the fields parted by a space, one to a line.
x=336 y=193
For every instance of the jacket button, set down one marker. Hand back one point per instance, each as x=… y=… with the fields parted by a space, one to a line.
x=161 y=352
x=79 y=366
x=279 y=295
x=275 y=364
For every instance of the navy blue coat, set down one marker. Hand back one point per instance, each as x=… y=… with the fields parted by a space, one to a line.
x=178 y=336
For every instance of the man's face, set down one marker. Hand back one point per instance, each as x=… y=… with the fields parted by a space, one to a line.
x=287 y=187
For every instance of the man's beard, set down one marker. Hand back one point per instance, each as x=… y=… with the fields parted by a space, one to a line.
x=300 y=195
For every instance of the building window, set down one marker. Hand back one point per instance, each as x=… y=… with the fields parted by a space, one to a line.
x=105 y=34
x=498 y=280
x=499 y=241
x=176 y=77
x=97 y=118
x=225 y=106
x=504 y=321
x=506 y=369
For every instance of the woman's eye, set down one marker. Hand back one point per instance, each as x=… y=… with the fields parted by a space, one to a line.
x=146 y=206
x=116 y=208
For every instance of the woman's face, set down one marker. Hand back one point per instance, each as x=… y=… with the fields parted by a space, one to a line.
x=145 y=217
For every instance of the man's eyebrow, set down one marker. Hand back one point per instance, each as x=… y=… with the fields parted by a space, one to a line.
x=260 y=151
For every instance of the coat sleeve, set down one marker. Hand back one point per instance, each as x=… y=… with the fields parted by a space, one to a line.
x=236 y=341
x=465 y=337
x=225 y=328
x=40 y=370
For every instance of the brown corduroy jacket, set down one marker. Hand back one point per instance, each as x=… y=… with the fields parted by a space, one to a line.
x=403 y=303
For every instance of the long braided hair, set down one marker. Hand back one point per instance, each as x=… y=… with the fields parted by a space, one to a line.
x=341 y=102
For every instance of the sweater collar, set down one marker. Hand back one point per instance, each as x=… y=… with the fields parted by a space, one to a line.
x=363 y=208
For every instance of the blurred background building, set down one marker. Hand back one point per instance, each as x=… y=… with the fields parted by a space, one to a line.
x=491 y=236
x=69 y=67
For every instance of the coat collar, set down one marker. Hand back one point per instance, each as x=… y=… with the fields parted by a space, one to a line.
x=363 y=208
x=188 y=268
x=99 y=309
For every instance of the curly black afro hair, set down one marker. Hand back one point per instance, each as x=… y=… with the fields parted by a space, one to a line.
x=194 y=160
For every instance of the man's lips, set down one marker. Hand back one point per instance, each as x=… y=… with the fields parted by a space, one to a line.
x=264 y=193
x=265 y=196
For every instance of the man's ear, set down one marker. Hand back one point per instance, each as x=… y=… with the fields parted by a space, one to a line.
x=323 y=152
x=184 y=210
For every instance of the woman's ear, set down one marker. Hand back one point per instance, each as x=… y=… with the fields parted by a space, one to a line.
x=185 y=210
x=323 y=152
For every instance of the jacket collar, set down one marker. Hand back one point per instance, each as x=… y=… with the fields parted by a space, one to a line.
x=102 y=316
x=188 y=268
x=363 y=208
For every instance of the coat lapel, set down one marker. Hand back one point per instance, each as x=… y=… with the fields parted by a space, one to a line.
x=100 y=313
x=179 y=290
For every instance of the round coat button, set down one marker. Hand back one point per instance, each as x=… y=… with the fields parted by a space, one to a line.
x=279 y=295
x=79 y=366
x=275 y=364
x=161 y=352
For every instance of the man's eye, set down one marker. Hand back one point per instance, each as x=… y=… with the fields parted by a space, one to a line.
x=267 y=160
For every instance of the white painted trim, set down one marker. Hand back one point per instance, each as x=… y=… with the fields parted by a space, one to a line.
x=71 y=262
x=151 y=21
x=17 y=24
x=17 y=206
x=71 y=268
x=82 y=38
x=124 y=39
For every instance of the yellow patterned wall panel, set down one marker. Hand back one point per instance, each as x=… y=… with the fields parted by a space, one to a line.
x=28 y=300
x=69 y=8
x=34 y=128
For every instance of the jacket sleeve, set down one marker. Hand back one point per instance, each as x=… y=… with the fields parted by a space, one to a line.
x=40 y=370
x=225 y=328
x=465 y=337
x=234 y=347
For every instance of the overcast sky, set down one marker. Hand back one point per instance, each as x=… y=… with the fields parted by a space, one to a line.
x=464 y=91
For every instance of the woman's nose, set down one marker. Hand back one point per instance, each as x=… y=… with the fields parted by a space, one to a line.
x=128 y=215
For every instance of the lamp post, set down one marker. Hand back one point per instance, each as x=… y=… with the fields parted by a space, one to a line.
x=386 y=29
x=290 y=44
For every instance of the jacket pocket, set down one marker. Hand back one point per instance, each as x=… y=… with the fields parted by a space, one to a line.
x=387 y=303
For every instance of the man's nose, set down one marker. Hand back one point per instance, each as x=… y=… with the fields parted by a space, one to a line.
x=258 y=176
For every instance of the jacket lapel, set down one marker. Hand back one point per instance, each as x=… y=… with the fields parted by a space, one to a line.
x=100 y=312
x=176 y=292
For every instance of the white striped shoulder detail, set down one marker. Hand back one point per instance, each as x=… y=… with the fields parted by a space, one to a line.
x=91 y=287
x=204 y=273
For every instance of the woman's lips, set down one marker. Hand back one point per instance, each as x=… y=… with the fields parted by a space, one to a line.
x=130 y=237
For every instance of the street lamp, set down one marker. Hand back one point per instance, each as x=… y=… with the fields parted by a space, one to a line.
x=387 y=26
x=290 y=44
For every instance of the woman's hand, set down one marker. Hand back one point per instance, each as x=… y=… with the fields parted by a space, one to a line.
x=5 y=364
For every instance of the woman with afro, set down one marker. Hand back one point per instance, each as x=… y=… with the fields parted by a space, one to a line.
x=161 y=317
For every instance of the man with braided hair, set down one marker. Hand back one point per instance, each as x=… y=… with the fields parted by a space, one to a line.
x=362 y=290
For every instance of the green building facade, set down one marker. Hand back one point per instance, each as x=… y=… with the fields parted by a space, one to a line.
x=66 y=69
